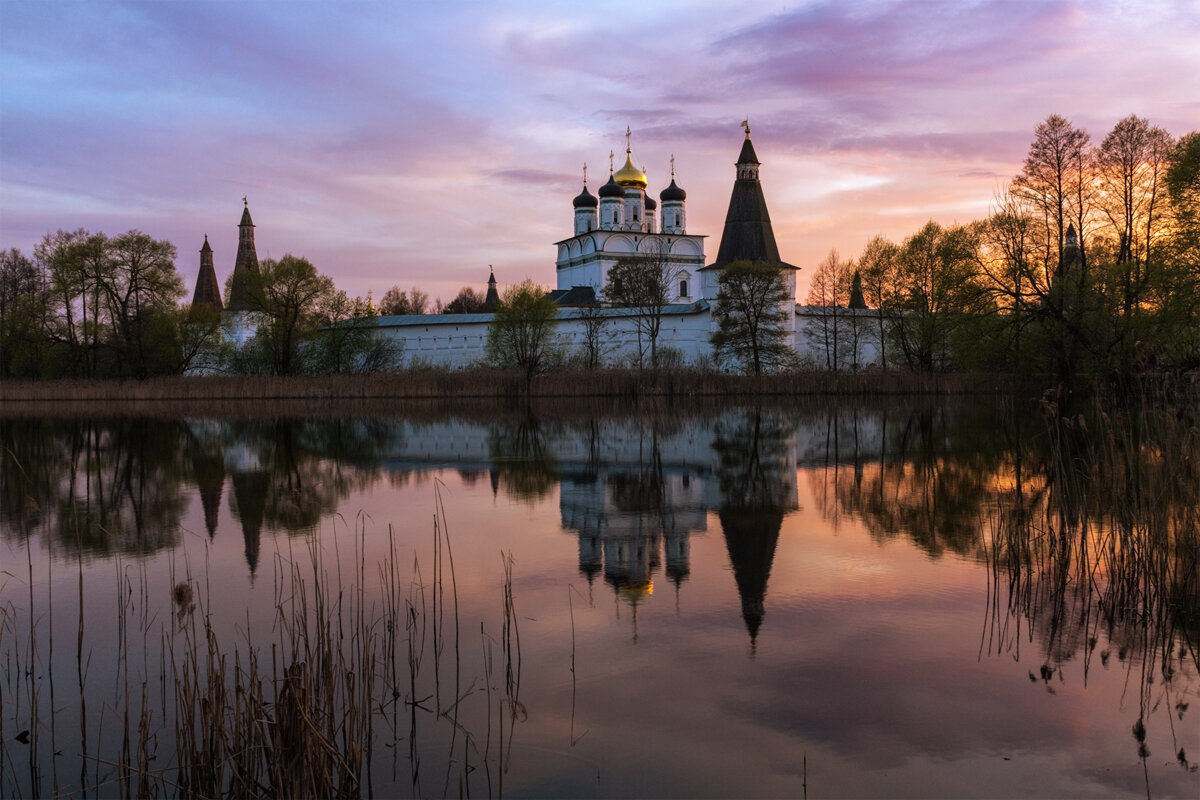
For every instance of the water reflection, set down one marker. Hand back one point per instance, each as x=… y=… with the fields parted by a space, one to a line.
x=1083 y=524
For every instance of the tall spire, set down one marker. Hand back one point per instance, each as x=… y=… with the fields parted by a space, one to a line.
x=492 y=300
x=245 y=266
x=748 y=234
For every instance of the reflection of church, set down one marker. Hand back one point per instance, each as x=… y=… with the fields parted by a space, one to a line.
x=631 y=522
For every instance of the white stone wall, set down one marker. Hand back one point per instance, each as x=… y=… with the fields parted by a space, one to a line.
x=459 y=340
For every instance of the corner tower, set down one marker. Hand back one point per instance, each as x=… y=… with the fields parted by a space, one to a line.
x=748 y=235
x=208 y=290
x=245 y=266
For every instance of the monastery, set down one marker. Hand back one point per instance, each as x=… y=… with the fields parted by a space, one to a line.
x=621 y=220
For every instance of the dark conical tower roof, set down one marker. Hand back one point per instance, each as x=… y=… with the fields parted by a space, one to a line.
x=208 y=290
x=245 y=267
x=747 y=234
x=492 y=301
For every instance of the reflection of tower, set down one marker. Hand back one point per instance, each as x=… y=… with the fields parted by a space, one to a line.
x=750 y=537
x=678 y=554
x=210 y=480
x=756 y=470
x=249 y=496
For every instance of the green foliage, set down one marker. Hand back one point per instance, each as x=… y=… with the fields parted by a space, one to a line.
x=522 y=331
x=285 y=298
x=751 y=310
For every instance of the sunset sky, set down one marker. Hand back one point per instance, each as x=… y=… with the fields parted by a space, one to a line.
x=417 y=143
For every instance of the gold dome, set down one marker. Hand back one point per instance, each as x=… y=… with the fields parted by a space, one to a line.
x=629 y=175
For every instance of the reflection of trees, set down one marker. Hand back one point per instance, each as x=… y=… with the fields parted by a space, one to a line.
x=926 y=480
x=107 y=486
x=523 y=461
x=1096 y=547
x=756 y=478
x=96 y=487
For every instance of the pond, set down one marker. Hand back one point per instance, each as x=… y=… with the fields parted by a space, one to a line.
x=908 y=598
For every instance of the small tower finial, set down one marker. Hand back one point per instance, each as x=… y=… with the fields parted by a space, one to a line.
x=585 y=174
x=610 y=162
x=245 y=202
x=672 y=166
x=628 y=133
x=746 y=124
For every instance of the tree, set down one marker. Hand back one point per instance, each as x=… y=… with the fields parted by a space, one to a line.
x=643 y=283
x=22 y=316
x=286 y=295
x=937 y=279
x=140 y=289
x=596 y=341
x=397 y=301
x=521 y=334
x=467 y=301
x=1054 y=181
x=751 y=309
x=1132 y=164
x=829 y=291
x=348 y=337
x=877 y=266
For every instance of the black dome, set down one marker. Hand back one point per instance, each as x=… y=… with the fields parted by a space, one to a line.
x=650 y=204
x=672 y=192
x=585 y=199
x=612 y=189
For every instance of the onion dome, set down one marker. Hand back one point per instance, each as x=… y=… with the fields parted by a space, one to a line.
x=672 y=193
x=611 y=189
x=629 y=175
x=650 y=204
x=585 y=199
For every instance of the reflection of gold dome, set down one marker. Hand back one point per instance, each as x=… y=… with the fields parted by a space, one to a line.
x=629 y=175
x=634 y=591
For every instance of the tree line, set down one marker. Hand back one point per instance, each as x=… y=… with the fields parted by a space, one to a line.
x=1089 y=264
x=87 y=305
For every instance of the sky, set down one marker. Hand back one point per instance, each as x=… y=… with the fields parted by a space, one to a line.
x=416 y=143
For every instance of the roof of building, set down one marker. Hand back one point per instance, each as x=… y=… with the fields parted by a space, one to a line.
x=208 y=290
x=672 y=193
x=585 y=199
x=628 y=174
x=747 y=234
x=611 y=189
x=574 y=297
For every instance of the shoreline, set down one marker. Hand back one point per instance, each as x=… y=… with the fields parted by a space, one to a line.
x=432 y=391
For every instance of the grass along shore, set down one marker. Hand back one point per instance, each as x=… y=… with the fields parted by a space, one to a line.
x=430 y=383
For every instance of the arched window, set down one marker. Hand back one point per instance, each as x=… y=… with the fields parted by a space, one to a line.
x=683 y=289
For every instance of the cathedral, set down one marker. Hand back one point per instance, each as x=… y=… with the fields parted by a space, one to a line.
x=622 y=221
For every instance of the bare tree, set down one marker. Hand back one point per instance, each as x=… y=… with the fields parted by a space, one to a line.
x=596 y=339
x=829 y=291
x=643 y=283
x=1132 y=164
x=1054 y=181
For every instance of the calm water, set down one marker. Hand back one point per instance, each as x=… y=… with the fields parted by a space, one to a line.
x=873 y=601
